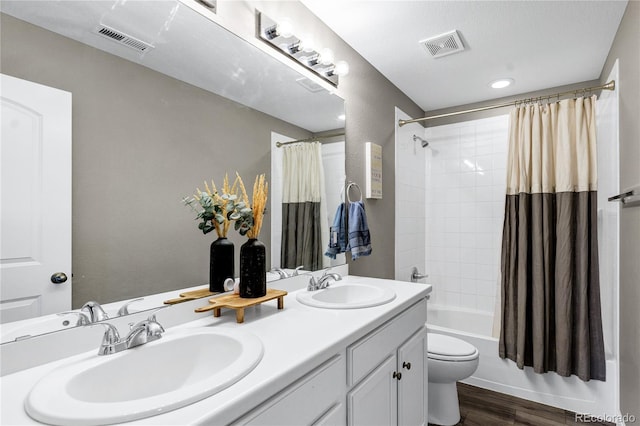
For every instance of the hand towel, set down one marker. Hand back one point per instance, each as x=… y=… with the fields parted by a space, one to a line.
x=359 y=236
x=337 y=234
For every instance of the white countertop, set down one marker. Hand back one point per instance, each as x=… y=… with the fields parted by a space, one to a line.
x=296 y=340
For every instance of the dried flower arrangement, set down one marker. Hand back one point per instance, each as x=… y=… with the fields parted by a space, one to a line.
x=250 y=224
x=219 y=208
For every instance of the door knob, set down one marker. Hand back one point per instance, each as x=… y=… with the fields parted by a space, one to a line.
x=397 y=375
x=406 y=365
x=58 y=278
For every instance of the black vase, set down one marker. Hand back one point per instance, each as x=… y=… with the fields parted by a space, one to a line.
x=253 y=269
x=221 y=264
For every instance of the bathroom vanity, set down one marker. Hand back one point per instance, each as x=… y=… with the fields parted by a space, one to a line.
x=319 y=365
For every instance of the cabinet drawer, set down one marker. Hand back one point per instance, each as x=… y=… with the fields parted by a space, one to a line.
x=306 y=401
x=367 y=353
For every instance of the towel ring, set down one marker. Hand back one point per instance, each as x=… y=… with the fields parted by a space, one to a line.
x=352 y=184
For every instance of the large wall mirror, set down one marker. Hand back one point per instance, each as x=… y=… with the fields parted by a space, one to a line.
x=150 y=125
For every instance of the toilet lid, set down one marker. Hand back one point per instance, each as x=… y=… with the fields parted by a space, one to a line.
x=441 y=345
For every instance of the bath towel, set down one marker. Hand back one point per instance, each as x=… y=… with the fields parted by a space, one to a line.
x=338 y=234
x=359 y=237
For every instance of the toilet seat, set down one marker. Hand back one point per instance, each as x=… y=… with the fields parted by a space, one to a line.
x=447 y=348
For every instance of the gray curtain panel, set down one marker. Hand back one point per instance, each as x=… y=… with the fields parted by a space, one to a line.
x=301 y=236
x=550 y=290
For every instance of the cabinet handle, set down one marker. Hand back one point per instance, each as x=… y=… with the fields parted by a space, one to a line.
x=406 y=365
x=397 y=375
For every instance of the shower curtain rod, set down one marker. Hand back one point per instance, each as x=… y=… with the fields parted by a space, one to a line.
x=609 y=86
x=314 y=139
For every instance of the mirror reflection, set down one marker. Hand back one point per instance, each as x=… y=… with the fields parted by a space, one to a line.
x=147 y=129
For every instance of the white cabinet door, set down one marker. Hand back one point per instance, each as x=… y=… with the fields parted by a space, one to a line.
x=35 y=229
x=316 y=398
x=412 y=386
x=375 y=400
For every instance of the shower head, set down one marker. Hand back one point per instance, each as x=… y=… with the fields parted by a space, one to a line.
x=422 y=141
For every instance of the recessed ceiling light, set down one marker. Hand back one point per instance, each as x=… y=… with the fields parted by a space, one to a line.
x=501 y=83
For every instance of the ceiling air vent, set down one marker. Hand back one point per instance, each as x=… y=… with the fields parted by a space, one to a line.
x=311 y=86
x=124 y=39
x=443 y=44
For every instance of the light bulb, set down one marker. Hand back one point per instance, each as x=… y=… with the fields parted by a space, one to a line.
x=306 y=43
x=285 y=28
x=326 y=56
x=342 y=68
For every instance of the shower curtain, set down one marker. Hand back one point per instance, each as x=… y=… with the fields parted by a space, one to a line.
x=550 y=288
x=305 y=231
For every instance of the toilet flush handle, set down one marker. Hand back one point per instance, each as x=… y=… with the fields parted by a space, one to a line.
x=416 y=275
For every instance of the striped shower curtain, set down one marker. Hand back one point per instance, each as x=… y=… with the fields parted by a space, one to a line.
x=305 y=231
x=550 y=288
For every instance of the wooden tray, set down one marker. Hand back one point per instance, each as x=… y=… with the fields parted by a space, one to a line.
x=190 y=295
x=234 y=301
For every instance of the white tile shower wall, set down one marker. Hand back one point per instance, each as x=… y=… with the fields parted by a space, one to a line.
x=465 y=191
x=410 y=200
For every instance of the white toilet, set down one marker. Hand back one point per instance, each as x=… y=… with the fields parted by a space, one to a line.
x=448 y=360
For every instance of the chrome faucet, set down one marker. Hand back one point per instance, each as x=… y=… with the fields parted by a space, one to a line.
x=323 y=281
x=124 y=309
x=94 y=311
x=281 y=272
x=297 y=270
x=83 y=318
x=143 y=332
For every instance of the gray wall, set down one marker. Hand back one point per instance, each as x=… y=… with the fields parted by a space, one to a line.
x=141 y=141
x=626 y=48
x=370 y=100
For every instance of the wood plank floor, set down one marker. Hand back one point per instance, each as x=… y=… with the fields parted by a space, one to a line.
x=481 y=407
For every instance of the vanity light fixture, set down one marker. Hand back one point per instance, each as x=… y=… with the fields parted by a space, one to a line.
x=501 y=83
x=284 y=29
x=280 y=35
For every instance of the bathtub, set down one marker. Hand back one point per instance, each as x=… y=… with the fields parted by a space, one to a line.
x=570 y=393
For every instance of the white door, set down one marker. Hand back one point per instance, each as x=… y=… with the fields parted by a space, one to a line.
x=35 y=209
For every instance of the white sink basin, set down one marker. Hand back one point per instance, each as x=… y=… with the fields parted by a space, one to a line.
x=347 y=295
x=179 y=369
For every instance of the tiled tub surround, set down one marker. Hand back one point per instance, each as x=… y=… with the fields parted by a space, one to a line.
x=296 y=340
x=465 y=190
